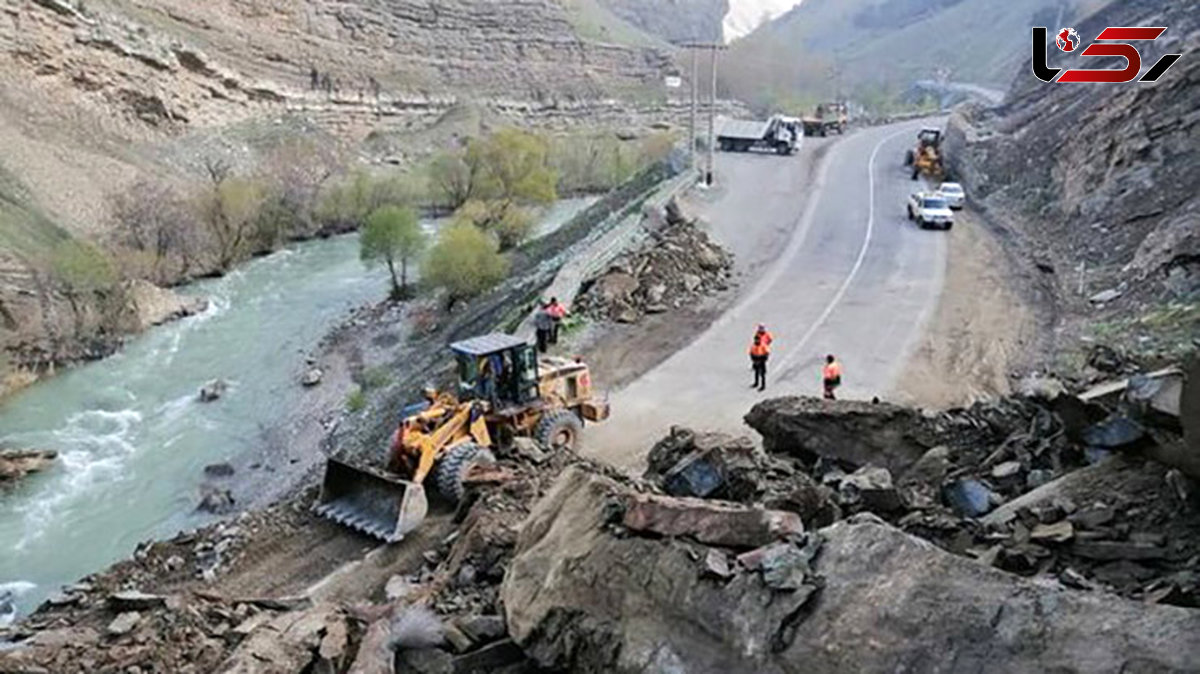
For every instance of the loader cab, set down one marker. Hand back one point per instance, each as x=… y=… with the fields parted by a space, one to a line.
x=498 y=368
x=929 y=137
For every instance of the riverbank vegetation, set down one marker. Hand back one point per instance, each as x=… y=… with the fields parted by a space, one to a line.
x=167 y=230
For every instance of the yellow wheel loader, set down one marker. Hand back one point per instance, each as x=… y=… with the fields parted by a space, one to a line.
x=926 y=158
x=504 y=391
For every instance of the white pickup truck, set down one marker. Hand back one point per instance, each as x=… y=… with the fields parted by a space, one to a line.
x=930 y=210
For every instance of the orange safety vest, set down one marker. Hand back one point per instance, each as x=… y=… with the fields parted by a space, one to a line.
x=833 y=371
x=764 y=337
x=760 y=349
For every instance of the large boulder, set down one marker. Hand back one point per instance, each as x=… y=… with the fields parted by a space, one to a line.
x=894 y=602
x=854 y=432
x=584 y=595
x=578 y=598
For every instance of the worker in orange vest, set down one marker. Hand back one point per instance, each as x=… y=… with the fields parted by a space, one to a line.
x=831 y=375
x=765 y=336
x=760 y=350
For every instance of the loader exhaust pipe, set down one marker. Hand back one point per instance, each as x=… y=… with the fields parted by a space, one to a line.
x=372 y=502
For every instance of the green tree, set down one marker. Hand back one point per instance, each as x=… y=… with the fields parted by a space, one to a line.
x=452 y=179
x=84 y=270
x=393 y=235
x=507 y=173
x=465 y=261
x=513 y=168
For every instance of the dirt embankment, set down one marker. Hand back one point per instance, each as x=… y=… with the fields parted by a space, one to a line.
x=986 y=329
x=1099 y=194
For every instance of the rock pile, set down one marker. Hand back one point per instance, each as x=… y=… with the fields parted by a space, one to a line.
x=675 y=267
x=1052 y=486
x=88 y=629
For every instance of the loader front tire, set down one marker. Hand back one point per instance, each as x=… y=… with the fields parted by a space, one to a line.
x=450 y=469
x=558 y=430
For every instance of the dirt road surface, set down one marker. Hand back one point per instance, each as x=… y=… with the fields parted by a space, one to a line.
x=839 y=270
x=983 y=329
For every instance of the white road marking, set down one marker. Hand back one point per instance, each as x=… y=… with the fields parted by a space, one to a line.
x=793 y=352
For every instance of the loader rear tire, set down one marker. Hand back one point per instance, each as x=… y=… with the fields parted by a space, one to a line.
x=558 y=430
x=450 y=469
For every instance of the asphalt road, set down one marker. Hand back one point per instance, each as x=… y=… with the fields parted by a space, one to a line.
x=835 y=267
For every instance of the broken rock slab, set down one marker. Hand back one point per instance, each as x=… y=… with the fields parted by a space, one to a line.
x=707 y=465
x=579 y=597
x=711 y=522
x=856 y=432
x=872 y=486
x=948 y=613
x=1117 y=474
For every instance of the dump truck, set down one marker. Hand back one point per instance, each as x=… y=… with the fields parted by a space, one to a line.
x=504 y=391
x=777 y=134
x=829 y=118
x=926 y=157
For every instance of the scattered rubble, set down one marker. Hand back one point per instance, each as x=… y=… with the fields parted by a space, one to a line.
x=675 y=267
x=17 y=463
x=721 y=557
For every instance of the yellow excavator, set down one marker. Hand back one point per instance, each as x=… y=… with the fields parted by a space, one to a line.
x=505 y=391
x=926 y=158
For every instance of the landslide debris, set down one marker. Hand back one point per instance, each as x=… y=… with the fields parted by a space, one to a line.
x=587 y=595
x=1003 y=546
x=675 y=267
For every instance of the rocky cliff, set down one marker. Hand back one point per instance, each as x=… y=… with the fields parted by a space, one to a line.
x=96 y=96
x=1102 y=180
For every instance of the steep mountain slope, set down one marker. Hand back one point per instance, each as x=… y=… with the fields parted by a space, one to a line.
x=746 y=16
x=674 y=20
x=95 y=96
x=876 y=48
x=1105 y=186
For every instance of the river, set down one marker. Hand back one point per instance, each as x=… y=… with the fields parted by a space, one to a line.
x=132 y=436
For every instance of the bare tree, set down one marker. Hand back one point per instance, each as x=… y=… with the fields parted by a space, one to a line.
x=229 y=211
x=151 y=217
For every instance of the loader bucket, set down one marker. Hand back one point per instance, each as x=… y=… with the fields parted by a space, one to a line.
x=375 y=503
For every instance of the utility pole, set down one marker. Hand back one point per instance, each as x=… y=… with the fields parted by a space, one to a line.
x=692 y=127
x=712 y=121
x=712 y=107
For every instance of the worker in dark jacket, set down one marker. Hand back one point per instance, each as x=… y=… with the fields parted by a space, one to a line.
x=543 y=323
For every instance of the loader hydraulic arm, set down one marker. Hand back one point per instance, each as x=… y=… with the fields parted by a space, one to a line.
x=467 y=422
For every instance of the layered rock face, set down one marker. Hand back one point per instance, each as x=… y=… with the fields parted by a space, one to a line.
x=95 y=96
x=1104 y=181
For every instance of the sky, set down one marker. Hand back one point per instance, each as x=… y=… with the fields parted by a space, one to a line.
x=746 y=15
